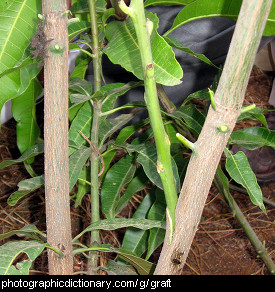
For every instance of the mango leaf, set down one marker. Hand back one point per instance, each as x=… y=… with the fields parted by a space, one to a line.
x=167 y=2
x=178 y=45
x=201 y=94
x=137 y=184
x=82 y=186
x=123 y=49
x=239 y=169
x=81 y=86
x=256 y=113
x=16 y=26
x=119 y=174
x=28 y=230
x=76 y=162
x=135 y=240
x=9 y=85
x=213 y=8
x=114 y=268
x=157 y=212
x=192 y=117
x=24 y=112
x=9 y=252
x=16 y=23
x=123 y=135
x=113 y=91
x=81 y=6
x=81 y=123
x=4 y=5
x=25 y=187
x=29 y=153
x=109 y=126
x=77 y=28
x=253 y=138
x=148 y=159
x=116 y=223
x=142 y=266
x=80 y=69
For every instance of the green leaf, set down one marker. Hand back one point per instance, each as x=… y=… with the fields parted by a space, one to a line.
x=109 y=126
x=239 y=169
x=201 y=94
x=80 y=69
x=137 y=184
x=123 y=49
x=119 y=174
x=77 y=28
x=214 y=8
x=81 y=86
x=142 y=266
x=81 y=123
x=148 y=159
x=167 y=2
x=192 y=116
x=178 y=45
x=157 y=212
x=83 y=185
x=16 y=25
x=76 y=163
x=114 y=268
x=9 y=252
x=24 y=112
x=29 y=153
x=25 y=187
x=123 y=135
x=135 y=240
x=4 y=5
x=256 y=113
x=28 y=230
x=253 y=138
x=116 y=223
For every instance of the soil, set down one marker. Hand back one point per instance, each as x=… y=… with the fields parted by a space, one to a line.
x=220 y=246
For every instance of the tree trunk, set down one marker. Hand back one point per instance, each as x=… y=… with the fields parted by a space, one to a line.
x=56 y=137
x=211 y=142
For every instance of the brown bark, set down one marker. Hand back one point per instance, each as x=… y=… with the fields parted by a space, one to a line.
x=56 y=137
x=211 y=142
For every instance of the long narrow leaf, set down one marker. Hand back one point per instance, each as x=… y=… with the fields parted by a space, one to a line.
x=213 y=8
x=25 y=187
x=253 y=138
x=24 y=112
x=29 y=153
x=119 y=174
x=28 y=230
x=116 y=223
x=239 y=169
x=76 y=163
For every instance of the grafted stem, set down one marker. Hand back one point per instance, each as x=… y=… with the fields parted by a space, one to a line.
x=143 y=30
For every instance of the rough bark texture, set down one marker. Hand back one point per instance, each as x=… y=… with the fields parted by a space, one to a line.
x=56 y=137
x=211 y=142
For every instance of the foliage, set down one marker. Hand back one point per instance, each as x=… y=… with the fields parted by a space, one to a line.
x=121 y=179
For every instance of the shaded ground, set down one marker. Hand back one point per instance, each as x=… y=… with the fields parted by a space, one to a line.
x=220 y=246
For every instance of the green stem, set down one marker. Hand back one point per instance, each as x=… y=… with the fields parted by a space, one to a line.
x=252 y=236
x=95 y=208
x=164 y=165
x=95 y=46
